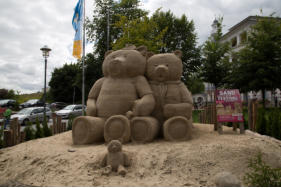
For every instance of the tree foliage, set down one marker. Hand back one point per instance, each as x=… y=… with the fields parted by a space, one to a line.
x=128 y=24
x=140 y=31
x=180 y=35
x=93 y=72
x=7 y=94
x=163 y=32
x=63 y=82
x=215 y=62
x=97 y=32
x=97 y=27
x=258 y=65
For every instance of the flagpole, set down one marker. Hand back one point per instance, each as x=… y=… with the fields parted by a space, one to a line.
x=83 y=62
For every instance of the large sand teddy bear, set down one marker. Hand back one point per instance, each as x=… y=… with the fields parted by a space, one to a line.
x=121 y=97
x=174 y=102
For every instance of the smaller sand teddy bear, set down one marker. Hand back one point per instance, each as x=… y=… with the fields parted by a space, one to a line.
x=115 y=160
x=174 y=102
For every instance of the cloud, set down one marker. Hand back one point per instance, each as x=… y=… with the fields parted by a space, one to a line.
x=203 y=12
x=27 y=25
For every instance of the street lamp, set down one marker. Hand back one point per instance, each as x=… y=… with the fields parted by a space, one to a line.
x=45 y=52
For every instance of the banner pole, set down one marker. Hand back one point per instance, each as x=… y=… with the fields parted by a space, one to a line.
x=83 y=62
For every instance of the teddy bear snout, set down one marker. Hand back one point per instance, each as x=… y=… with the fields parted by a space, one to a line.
x=161 y=72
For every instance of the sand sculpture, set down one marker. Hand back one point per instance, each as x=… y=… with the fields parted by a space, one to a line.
x=115 y=160
x=123 y=94
x=174 y=102
x=124 y=106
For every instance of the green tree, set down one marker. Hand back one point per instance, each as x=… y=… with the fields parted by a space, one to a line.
x=93 y=72
x=180 y=35
x=215 y=62
x=97 y=28
x=195 y=85
x=7 y=94
x=63 y=82
x=258 y=65
x=106 y=11
x=140 y=31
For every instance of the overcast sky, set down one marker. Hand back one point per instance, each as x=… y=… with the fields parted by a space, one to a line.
x=27 y=25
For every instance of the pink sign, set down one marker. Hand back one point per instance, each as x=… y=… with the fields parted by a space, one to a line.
x=229 y=105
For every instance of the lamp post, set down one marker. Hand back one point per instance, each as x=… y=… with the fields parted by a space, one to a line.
x=45 y=52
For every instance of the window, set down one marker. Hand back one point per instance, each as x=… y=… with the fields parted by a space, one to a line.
x=78 y=108
x=243 y=37
x=234 y=42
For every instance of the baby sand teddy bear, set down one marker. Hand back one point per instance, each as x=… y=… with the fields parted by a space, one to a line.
x=174 y=102
x=115 y=160
x=123 y=93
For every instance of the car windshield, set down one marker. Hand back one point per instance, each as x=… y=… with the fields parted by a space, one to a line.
x=32 y=101
x=69 y=107
x=25 y=111
x=3 y=101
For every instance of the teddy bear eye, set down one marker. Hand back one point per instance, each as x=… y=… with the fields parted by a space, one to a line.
x=155 y=65
x=167 y=65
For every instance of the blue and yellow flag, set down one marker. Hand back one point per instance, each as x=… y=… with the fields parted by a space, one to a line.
x=77 y=23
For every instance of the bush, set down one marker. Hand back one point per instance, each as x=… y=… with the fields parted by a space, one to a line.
x=195 y=116
x=262 y=175
x=39 y=130
x=46 y=130
x=29 y=132
x=2 y=136
x=70 y=121
x=274 y=125
x=261 y=121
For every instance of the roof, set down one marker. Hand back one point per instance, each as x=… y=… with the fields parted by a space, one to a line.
x=249 y=19
x=252 y=19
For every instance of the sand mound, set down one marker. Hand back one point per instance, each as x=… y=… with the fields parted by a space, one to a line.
x=54 y=161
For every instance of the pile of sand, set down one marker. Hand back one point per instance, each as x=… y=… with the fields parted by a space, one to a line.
x=54 y=161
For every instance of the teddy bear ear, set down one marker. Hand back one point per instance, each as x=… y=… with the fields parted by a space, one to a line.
x=142 y=50
x=178 y=53
x=149 y=54
x=107 y=53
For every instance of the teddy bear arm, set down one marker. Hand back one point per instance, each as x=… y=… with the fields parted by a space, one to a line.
x=145 y=105
x=92 y=97
x=186 y=96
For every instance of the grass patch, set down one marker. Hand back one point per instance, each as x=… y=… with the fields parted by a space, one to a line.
x=262 y=175
x=25 y=97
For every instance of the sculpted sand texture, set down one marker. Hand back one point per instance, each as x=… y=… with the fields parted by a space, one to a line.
x=173 y=100
x=115 y=159
x=122 y=91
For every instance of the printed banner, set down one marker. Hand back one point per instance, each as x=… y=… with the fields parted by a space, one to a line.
x=229 y=105
x=77 y=23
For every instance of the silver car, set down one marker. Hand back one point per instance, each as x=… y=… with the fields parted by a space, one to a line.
x=74 y=109
x=31 y=114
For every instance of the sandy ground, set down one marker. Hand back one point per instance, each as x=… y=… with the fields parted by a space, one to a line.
x=54 y=161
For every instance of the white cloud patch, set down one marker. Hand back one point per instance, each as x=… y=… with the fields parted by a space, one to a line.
x=27 y=25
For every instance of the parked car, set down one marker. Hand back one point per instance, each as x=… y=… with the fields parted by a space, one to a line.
x=58 y=105
x=31 y=114
x=7 y=103
x=32 y=102
x=74 y=109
